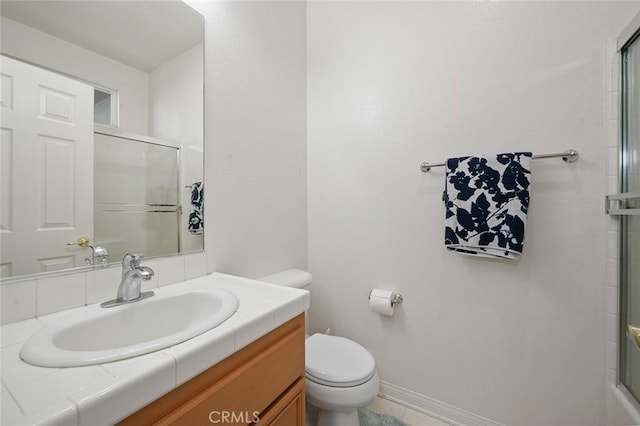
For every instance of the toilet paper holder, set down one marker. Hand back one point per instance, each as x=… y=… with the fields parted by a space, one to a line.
x=396 y=298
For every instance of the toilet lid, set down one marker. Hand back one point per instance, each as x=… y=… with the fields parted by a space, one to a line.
x=337 y=362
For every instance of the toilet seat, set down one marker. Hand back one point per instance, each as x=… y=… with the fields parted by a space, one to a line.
x=337 y=362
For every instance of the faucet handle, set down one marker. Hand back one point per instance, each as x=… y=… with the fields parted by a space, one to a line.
x=131 y=261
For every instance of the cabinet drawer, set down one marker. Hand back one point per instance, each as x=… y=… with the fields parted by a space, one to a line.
x=237 y=389
x=288 y=410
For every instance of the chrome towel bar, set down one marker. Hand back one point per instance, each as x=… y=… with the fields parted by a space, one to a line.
x=570 y=156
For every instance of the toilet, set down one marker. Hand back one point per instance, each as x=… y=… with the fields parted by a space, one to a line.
x=341 y=375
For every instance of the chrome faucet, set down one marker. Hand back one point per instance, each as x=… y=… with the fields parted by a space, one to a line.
x=132 y=276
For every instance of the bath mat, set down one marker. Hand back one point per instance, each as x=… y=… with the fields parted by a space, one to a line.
x=370 y=418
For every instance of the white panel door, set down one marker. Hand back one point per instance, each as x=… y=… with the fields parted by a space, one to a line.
x=46 y=169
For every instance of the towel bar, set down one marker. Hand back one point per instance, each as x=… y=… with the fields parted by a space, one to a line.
x=569 y=156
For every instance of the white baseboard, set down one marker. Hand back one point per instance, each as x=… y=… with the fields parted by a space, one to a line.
x=434 y=408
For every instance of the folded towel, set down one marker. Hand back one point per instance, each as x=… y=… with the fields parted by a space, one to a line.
x=486 y=201
x=196 y=220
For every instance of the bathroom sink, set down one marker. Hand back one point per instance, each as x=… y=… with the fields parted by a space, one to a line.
x=95 y=335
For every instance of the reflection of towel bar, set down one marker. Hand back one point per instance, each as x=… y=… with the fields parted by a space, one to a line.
x=125 y=205
x=138 y=211
x=570 y=156
x=138 y=208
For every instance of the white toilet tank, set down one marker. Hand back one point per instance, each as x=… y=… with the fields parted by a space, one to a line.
x=289 y=278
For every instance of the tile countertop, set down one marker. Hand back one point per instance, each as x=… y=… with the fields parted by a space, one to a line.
x=106 y=393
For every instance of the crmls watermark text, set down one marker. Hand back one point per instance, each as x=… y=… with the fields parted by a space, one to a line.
x=234 y=417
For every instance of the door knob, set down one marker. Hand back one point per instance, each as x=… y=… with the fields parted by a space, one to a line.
x=634 y=333
x=82 y=242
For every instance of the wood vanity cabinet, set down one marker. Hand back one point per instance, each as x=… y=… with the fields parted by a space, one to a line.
x=261 y=384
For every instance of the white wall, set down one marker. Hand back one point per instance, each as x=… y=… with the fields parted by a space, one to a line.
x=175 y=99
x=255 y=156
x=393 y=84
x=28 y=44
x=176 y=109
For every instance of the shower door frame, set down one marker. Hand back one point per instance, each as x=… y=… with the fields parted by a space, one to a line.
x=630 y=36
x=110 y=131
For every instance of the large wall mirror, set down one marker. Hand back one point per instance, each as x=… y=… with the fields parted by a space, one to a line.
x=102 y=132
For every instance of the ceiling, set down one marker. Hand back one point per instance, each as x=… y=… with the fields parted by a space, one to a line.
x=142 y=34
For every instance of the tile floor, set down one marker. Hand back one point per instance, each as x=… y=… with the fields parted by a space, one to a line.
x=407 y=415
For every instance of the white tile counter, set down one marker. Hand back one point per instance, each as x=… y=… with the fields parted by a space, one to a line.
x=106 y=393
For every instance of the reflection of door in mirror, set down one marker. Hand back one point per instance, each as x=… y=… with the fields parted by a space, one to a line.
x=137 y=203
x=47 y=169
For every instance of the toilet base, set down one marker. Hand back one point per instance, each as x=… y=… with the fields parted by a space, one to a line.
x=327 y=406
x=338 y=418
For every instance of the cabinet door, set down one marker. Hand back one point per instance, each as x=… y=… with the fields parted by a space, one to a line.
x=288 y=410
x=266 y=374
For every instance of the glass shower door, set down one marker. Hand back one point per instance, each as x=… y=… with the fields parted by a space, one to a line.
x=137 y=205
x=627 y=206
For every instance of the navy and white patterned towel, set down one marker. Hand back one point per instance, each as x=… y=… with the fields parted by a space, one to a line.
x=486 y=201
x=196 y=220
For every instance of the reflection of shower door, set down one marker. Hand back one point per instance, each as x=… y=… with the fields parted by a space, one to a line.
x=136 y=196
x=629 y=210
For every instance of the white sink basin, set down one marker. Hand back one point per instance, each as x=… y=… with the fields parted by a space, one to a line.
x=95 y=335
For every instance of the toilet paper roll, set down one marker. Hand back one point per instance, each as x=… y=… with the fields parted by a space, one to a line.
x=380 y=302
